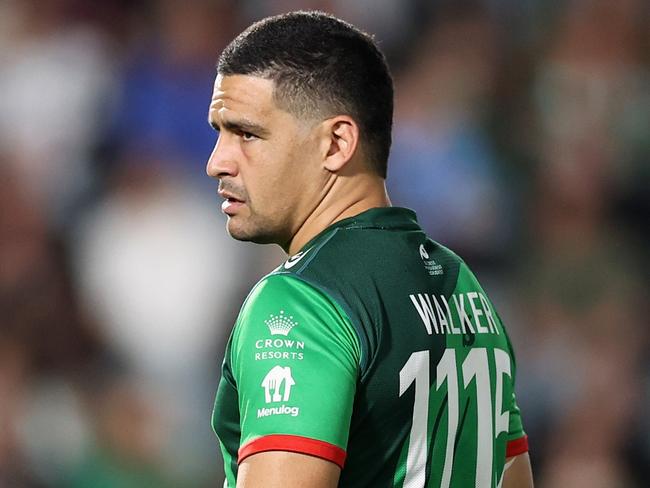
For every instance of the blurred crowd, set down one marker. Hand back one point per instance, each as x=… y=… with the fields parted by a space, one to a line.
x=522 y=138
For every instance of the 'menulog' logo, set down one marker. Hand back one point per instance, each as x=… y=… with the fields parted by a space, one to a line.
x=281 y=410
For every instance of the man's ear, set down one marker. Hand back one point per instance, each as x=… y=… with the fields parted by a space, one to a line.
x=341 y=138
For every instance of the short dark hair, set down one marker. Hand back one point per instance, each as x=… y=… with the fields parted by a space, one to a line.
x=321 y=66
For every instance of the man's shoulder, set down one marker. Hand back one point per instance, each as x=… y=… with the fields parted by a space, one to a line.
x=284 y=290
x=274 y=286
x=278 y=303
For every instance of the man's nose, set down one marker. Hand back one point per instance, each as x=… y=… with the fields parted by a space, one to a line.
x=222 y=161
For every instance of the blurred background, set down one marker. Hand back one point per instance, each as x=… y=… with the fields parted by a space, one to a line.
x=522 y=138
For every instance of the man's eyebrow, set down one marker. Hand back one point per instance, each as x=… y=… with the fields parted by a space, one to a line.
x=240 y=126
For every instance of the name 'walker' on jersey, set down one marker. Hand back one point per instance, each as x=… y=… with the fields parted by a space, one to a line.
x=377 y=349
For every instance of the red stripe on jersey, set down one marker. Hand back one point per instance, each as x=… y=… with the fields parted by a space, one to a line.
x=517 y=446
x=294 y=443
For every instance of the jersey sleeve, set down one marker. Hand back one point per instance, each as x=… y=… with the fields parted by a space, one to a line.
x=517 y=439
x=295 y=362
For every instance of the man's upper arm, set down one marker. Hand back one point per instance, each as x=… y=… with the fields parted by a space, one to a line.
x=518 y=472
x=295 y=359
x=282 y=469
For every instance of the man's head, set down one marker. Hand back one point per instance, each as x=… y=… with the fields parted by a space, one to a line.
x=301 y=101
x=321 y=66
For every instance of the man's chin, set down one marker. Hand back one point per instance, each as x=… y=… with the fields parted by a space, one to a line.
x=236 y=232
x=241 y=233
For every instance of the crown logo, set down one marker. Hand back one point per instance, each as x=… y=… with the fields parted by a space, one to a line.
x=280 y=324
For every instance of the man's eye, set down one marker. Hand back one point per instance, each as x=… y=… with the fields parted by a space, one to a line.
x=247 y=136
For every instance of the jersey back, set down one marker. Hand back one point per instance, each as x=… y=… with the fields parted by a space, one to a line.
x=433 y=399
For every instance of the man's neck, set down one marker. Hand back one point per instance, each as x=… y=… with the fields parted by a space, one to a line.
x=346 y=197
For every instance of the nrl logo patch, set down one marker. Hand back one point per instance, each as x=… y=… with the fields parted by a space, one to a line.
x=280 y=324
x=433 y=268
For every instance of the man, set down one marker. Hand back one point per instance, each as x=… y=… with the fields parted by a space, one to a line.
x=372 y=356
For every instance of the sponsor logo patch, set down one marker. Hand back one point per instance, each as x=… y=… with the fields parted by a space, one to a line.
x=273 y=384
x=280 y=324
x=279 y=347
x=277 y=386
x=281 y=410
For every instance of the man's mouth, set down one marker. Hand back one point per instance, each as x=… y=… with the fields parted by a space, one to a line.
x=226 y=195
x=231 y=202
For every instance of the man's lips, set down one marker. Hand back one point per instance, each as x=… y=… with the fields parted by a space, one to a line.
x=226 y=195
x=231 y=203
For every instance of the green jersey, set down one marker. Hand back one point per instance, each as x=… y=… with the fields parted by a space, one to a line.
x=377 y=349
